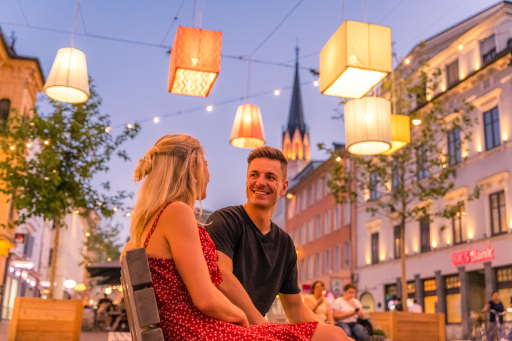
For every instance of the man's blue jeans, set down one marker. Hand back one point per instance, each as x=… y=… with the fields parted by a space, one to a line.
x=354 y=330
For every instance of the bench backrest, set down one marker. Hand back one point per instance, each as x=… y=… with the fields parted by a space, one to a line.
x=139 y=297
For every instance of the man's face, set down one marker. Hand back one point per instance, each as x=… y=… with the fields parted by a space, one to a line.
x=265 y=183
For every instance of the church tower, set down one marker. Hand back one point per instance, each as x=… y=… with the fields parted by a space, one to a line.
x=296 y=137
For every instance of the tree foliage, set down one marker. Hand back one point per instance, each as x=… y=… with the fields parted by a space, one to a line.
x=50 y=159
x=102 y=244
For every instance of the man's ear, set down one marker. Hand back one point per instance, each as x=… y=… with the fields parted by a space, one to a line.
x=284 y=188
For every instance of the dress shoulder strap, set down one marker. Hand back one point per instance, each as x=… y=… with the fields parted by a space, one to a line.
x=154 y=224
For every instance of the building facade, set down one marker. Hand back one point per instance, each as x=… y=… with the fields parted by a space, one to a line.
x=453 y=265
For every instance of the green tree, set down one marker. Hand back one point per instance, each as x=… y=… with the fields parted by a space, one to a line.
x=50 y=159
x=102 y=244
x=404 y=185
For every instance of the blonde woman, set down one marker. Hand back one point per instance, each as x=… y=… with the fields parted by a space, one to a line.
x=182 y=257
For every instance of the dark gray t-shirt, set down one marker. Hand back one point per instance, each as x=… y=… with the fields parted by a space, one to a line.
x=265 y=264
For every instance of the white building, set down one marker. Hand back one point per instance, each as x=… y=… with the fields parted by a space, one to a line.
x=453 y=265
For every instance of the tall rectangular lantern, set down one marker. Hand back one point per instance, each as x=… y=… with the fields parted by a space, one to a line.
x=195 y=61
x=355 y=59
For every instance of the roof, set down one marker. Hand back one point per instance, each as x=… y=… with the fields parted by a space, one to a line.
x=296 y=115
x=13 y=55
x=305 y=173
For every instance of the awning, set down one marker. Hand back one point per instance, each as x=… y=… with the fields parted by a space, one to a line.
x=106 y=273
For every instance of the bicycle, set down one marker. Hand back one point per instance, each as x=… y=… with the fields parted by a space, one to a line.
x=478 y=327
x=496 y=327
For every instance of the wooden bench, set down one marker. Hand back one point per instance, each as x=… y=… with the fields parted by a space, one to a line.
x=139 y=297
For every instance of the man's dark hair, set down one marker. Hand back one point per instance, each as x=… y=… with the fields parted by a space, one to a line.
x=349 y=286
x=271 y=153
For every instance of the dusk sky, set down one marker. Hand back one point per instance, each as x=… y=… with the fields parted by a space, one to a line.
x=132 y=77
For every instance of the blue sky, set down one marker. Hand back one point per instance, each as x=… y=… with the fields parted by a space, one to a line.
x=132 y=78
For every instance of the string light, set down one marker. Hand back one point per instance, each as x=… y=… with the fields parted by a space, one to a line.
x=277 y=92
x=129 y=126
x=416 y=121
x=46 y=142
x=114 y=209
x=461 y=46
x=107 y=130
x=209 y=108
x=315 y=83
x=11 y=147
x=407 y=61
x=87 y=234
x=29 y=145
x=156 y=119
x=129 y=214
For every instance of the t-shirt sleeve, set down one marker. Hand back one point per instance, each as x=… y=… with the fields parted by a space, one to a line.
x=290 y=283
x=224 y=230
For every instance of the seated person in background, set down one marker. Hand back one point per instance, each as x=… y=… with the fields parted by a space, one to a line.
x=318 y=303
x=182 y=257
x=415 y=307
x=346 y=310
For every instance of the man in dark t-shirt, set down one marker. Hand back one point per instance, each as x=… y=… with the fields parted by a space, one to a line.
x=257 y=258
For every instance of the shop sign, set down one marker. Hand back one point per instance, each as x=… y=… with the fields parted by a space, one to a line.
x=21 y=264
x=473 y=256
x=19 y=238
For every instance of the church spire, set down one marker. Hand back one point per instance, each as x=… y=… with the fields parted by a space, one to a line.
x=296 y=138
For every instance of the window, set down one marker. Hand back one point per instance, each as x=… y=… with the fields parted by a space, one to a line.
x=319 y=188
x=326 y=183
x=452 y=73
x=297 y=204
x=421 y=162
x=375 y=248
x=454 y=147
x=50 y=256
x=304 y=197
x=303 y=238
x=459 y=224
x=498 y=217
x=311 y=231
x=488 y=49
x=318 y=265
x=328 y=222
x=337 y=258
x=5 y=107
x=328 y=268
x=396 y=176
x=311 y=266
x=337 y=217
x=347 y=257
x=346 y=216
x=492 y=128
x=311 y=198
x=319 y=227
x=29 y=244
x=296 y=237
x=425 y=234
x=396 y=241
x=374 y=180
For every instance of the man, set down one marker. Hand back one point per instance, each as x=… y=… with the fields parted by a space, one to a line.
x=346 y=310
x=258 y=259
x=415 y=307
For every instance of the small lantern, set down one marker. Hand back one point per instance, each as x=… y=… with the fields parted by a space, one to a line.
x=368 y=126
x=68 y=80
x=355 y=59
x=400 y=132
x=195 y=61
x=247 y=129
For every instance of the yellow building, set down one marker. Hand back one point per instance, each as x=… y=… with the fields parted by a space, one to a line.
x=21 y=78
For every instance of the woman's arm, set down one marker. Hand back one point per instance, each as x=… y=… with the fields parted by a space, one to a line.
x=179 y=227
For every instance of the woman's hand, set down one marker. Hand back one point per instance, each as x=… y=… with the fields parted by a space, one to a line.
x=241 y=318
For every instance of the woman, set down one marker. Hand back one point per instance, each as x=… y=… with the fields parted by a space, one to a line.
x=182 y=257
x=496 y=311
x=346 y=310
x=318 y=303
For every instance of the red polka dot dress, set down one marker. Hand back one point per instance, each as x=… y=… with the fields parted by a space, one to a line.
x=181 y=320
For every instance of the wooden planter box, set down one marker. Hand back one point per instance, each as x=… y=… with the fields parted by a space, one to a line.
x=36 y=319
x=400 y=326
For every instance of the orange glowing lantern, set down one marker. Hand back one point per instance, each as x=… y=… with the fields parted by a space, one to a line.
x=195 y=61
x=247 y=129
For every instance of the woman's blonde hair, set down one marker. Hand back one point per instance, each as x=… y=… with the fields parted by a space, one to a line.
x=173 y=170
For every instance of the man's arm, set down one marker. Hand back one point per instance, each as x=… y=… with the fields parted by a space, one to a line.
x=338 y=315
x=295 y=309
x=235 y=292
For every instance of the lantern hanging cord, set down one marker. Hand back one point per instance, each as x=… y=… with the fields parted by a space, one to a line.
x=174 y=19
x=75 y=23
x=277 y=27
x=23 y=13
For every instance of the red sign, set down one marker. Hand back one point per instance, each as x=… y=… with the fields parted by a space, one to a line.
x=472 y=256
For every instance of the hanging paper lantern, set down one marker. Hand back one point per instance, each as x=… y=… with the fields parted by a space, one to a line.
x=247 y=129
x=368 y=126
x=355 y=59
x=400 y=132
x=195 y=61
x=68 y=80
